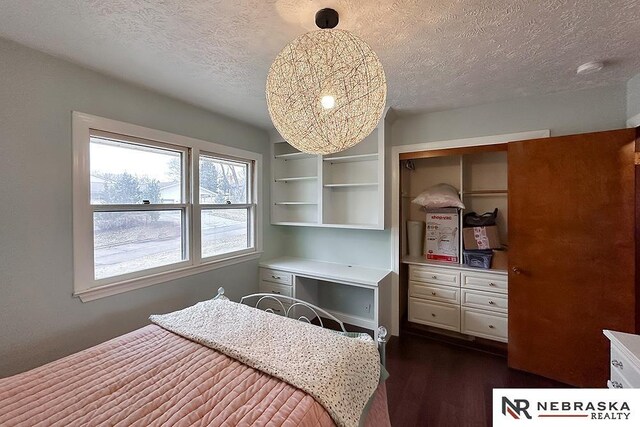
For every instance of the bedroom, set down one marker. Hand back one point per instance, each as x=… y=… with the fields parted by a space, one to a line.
x=193 y=75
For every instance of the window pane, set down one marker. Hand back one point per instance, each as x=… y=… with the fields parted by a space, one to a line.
x=224 y=231
x=126 y=173
x=125 y=242
x=223 y=181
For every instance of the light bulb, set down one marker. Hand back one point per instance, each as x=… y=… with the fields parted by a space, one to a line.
x=328 y=102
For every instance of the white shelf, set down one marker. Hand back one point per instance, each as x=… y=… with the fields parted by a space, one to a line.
x=294 y=156
x=296 y=178
x=485 y=193
x=359 y=184
x=352 y=158
x=423 y=261
x=294 y=203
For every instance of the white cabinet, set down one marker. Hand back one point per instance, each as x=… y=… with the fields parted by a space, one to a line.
x=356 y=295
x=459 y=299
x=625 y=360
x=341 y=190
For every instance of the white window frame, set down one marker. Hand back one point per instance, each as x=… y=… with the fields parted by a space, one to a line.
x=84 y=284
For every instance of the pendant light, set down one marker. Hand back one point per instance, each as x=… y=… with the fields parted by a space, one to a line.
x=326 y=90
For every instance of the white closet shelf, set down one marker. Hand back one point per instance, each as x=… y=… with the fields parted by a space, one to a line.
x=354 y=184
x=293 y=156
x=294 y=203
x=352 y=158
x=296 y=178
x=485 y=193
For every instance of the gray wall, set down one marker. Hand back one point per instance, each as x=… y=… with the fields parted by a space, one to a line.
x=633 y=97
x=40 y=320
x=562 y=113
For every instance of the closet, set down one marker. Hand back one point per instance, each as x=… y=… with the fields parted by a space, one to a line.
x=567 y=213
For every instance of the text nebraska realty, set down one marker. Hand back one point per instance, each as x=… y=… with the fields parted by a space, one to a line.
x=594 y=410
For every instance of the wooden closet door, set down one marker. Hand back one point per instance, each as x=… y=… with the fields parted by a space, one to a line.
x=571 y=253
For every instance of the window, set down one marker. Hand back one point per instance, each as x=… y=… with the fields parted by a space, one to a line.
x=151 y=206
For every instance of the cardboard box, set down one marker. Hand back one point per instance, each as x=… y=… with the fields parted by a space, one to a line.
x=481 y=237
x=500 y=260
x=442 y=241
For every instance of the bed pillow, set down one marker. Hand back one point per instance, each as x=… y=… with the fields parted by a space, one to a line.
x=439 y=196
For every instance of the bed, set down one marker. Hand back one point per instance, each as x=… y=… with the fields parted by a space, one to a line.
x=154 y=376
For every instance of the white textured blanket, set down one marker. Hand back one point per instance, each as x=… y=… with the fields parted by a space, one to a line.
x=341 y=373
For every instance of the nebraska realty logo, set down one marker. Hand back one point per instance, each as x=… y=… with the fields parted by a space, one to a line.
x=566 y=407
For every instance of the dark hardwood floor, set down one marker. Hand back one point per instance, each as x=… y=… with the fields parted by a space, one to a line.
x=439 y=384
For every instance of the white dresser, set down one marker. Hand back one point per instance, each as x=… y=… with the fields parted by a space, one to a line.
x=625 y=360
x=459 y=299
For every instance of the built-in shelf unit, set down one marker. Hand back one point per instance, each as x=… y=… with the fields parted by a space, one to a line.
x=341 y=190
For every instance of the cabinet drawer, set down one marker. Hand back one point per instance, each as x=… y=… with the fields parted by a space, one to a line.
x=485 y=300
x=438 y=276
x=440 y=315
x=618 y=381
x=484 y=324
x=621 y=366
x=275 y=288
x=434 y=292
x=276 y=276
x=484 y=282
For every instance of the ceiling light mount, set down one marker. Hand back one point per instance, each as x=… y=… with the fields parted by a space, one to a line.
x=327 y=18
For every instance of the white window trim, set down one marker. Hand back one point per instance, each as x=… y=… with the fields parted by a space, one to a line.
x=84 y=285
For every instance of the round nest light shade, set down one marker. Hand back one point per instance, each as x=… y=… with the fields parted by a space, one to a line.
x=326 y=91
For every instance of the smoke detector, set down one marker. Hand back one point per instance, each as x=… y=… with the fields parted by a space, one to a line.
x=590 y=67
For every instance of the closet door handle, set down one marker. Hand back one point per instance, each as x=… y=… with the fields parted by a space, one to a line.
x=516 y=270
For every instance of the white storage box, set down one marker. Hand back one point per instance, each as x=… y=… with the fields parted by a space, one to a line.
x=442 y=241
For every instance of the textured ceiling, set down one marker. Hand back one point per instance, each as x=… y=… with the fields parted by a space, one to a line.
x=438 y=54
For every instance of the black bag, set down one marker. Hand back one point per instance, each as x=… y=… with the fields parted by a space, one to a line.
x=472 y=219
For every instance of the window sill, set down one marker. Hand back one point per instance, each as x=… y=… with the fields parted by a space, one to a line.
x=142 y=282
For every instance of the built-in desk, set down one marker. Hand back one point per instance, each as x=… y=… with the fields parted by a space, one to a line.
x=356 y=295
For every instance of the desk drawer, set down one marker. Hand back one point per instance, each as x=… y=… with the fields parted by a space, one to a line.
x=434 y=275
x=485 y=282
x=484 y=324
x=622 y=367
x=276 y=276
x=485 y=300
x=434 y=292
x=440 y=315
x=275 y=288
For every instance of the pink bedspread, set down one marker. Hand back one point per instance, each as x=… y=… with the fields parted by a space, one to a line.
x=153 y=377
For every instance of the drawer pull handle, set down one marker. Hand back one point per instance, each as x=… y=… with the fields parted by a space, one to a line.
x=492 y=284
x=275 y=277
x=432 y=314
x=617 y=364
x=491 y=327
x=433 y=293
x=275 y=292
x=434 y=277
x=616 y=384
x=492 y=303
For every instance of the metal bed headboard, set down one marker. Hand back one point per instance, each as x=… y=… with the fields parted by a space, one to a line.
x=289 y=303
